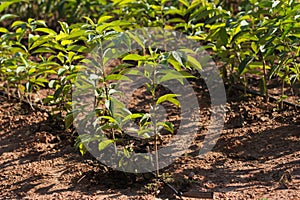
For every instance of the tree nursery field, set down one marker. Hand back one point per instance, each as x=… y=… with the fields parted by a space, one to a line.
x=150 y=99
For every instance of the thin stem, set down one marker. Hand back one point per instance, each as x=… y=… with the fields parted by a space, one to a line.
x=106 y=90
x=265 y=77
x=156 y=146
x=282 y=94
x=8 y=90
x=153 y=118
x=245 y=85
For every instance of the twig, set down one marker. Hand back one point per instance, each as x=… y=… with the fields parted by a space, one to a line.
x=197 y=194
x=81 y=178
x=176 y=192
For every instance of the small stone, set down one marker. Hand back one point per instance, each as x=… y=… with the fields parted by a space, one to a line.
x=209 y=185
x=191 y=175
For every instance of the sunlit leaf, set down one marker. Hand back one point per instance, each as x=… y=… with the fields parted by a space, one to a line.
x=104 y=144
x=7 y=16
x=3 y=30
x=103 y=19
x=194 y=63
x=135 y=57
x=170 y=98
x=132 y=116
x=46 y=30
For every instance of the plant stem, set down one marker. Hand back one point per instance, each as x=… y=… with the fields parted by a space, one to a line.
x=245 y=85
x=153 y=118
x=106 y=89
x=155 y=141
x=265 y=77
x=156 y=148
x=282 y=94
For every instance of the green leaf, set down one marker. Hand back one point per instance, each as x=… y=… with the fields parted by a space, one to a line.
x=170 y=98
x=3 y=30
x=254 y=47
x=43 y=50
x=122 y=2
x=67 y=89
x=177 y=56
x=296 y=35
x=66 y=42
x=174 y=75
x=145 y=132
x=17 y=24
x=216 y=26
x=101 y=28
x=61 y=36
x=21 y=88
x=7 y=16
x=114 y=25
x=52 y=83
x=137 y=39
x=167 y=126
x=185 y=2
x=103 y=19
x=31 y=71
x=75 y=34
x=68 y=120
x=133 y=116
x=194 y=63
x=103 y=144
x=46 y=30
x=7 y=3
x=174 y=63
x=116 y=77
x=243 y=36
x=41 y=23
x=174 y=11
x=39 y=42
x=135 y=57
x=283 y=97
x=61 y=71
x=82 y=149
x=109 y=118
x=89 y=20
x=55 y=46
x=64 y=26
x=223 y=36
x=275 y=3
x=48 y=65
x=77 y=48
x=20 y=69
x=134 y=72
x=41 y=80
x=244 y=64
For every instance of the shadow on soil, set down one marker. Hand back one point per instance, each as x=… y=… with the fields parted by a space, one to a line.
x=258 y=159
x=251 y=149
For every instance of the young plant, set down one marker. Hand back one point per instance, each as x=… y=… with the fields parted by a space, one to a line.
x=105 y=125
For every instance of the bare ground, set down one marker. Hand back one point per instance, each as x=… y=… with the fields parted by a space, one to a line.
x=256 y=157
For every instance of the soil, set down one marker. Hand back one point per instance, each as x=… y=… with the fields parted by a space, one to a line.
x=256 y=157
